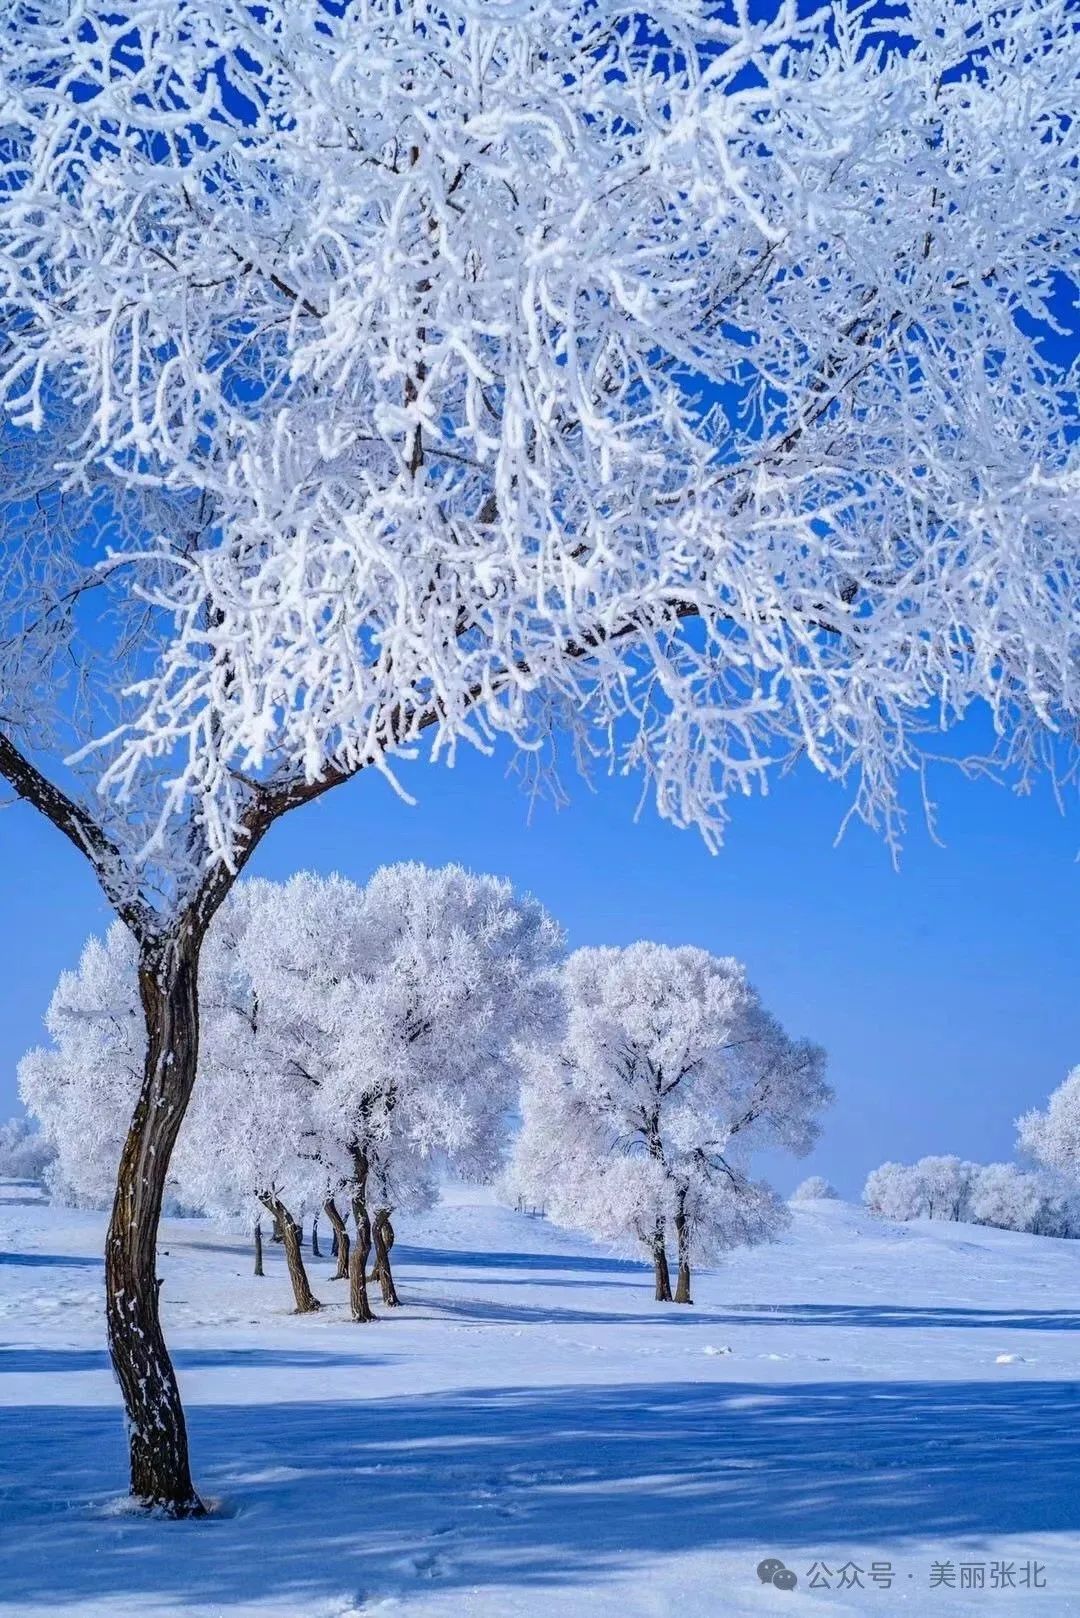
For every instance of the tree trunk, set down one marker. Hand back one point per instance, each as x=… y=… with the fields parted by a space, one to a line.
x=292 y=1236
x=682 y=1286
x=277 y=1234
x=340 y=1249
x=258 y=1248
x=660 y=1265
x=157 y=1432
x=383 y=1236
x=315 y=1237
x=358 y=1293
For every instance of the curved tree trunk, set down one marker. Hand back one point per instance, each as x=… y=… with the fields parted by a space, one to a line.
x=682 y=1285
x=292 y=1236
x=383 y=1237
x=358 y=1293
x=315 y=1237
x=258 y=1248
x=157 y=1432
x=340 y=1249
x=660 y=1264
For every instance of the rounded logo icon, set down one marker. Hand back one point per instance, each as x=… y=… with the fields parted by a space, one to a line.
x=767 y=1570
x=785 y=1579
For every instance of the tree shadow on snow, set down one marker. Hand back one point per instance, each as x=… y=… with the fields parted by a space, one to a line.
x=464 y=1259
x=59 y=1261
x=534 y=1487
x=54 y=1361
x=914 y=1317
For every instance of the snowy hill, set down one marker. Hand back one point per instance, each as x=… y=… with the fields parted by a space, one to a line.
x=532 y=1435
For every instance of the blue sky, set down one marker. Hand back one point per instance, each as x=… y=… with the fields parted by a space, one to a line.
x=945 y=993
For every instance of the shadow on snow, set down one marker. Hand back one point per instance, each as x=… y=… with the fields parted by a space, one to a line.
x=536 y=1486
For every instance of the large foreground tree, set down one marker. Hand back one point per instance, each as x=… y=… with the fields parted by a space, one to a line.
x=382 y=370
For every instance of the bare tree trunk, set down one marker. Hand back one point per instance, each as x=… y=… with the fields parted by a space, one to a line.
x=383 y=1236
x=315 y=1237
x=277 y=1234
x=682 y=1286
x=292 y=1235
x=258 y=1248
x=358 y=1293
x=157 y=1432
x=660 y=1264
x=341 y=1239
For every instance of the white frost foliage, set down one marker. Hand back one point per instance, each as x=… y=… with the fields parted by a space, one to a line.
x=670 y=1076
x=331 y=1015
x=472 y=350
x=814 y=1189
x=1014 y=1198
x=932 y=1188
x=25 y=1154
x=401 y=1006
x=1052 y=1136
x=82 y=1087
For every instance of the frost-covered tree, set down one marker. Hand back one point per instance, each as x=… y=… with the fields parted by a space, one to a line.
x=893 y=1191
x=814 y=1189
x=386 y=371
x=946 y=1184
x=642 y=1123
x=25 y=1154
x=1052 y=1136
x=932 y=1188
x=402 y=1006
x=243 y=1140
x=1013 y=1198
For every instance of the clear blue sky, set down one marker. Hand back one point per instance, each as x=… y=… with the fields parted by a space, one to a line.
x=946 y=994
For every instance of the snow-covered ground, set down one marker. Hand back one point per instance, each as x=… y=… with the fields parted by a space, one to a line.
x=531 y=1435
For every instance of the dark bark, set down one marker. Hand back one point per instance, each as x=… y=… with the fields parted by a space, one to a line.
x=157 y=1432
x=682 y=1234
x=258 y=1248
x=315 y=1237
x=277 y=1234
x=661 y=1272
x=358 y=1292
x=341 y=1239
x=292 y=1236
x=333 y=1243
x=383 y=1237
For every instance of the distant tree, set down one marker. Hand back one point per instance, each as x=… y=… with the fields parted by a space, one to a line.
x=643 y=1122
x=25 y=1154
x=894 y=1191
x=815 y=1189
x=1013 y=1198
x=402 y=1006
x=945 y=1184
x=932 y=1188
x=1052 y=1136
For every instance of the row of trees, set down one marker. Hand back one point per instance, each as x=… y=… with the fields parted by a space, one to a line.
x=356 y=1041
x=1044 y=1199
x=352 y=1040
x=1001 y=1194
x=671 y=387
